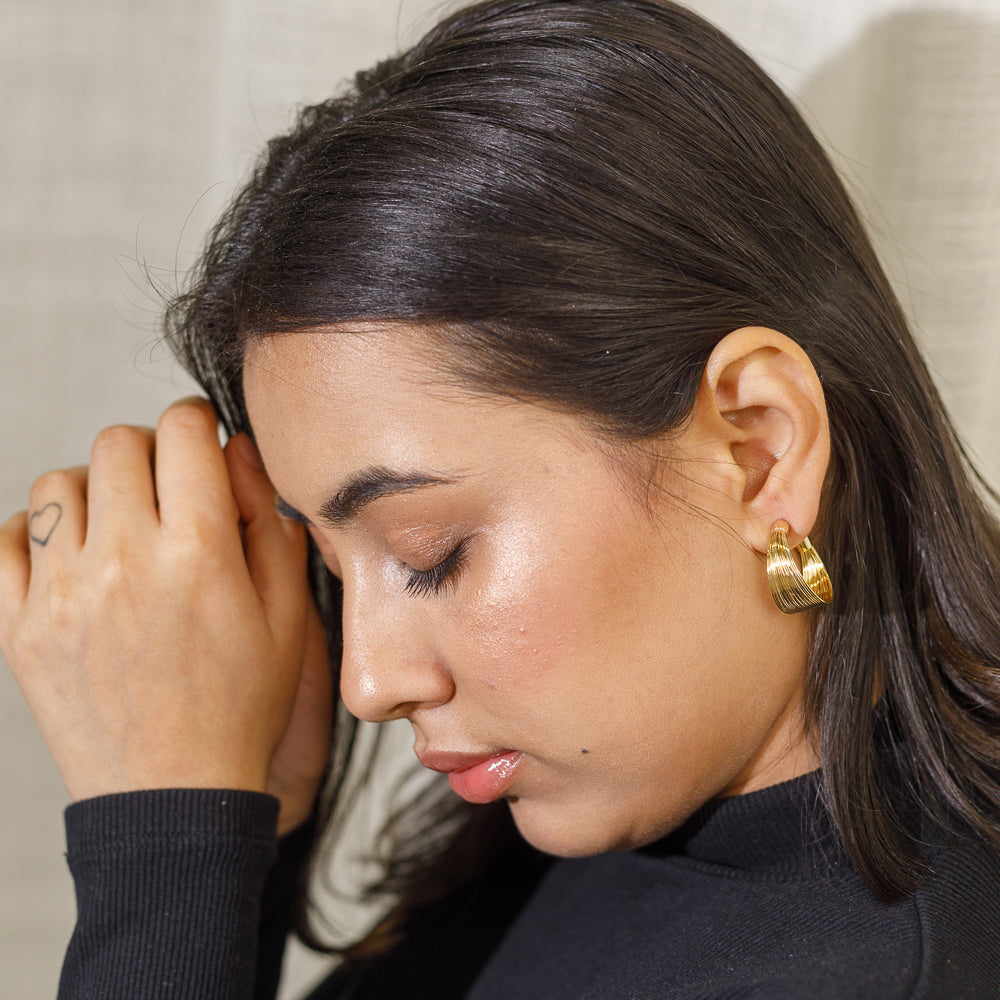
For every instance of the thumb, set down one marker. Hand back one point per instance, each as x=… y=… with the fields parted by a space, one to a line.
x=275 y=547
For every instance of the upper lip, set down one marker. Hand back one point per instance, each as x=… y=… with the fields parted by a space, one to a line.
x=448 y=761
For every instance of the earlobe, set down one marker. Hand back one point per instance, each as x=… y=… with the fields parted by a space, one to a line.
x=763 y=402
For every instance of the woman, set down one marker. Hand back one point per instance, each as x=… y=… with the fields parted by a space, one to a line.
x=557 y=333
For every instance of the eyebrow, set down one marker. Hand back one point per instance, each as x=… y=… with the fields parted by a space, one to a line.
x=371 y=484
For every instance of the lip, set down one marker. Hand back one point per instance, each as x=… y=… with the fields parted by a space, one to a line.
x=477 y=778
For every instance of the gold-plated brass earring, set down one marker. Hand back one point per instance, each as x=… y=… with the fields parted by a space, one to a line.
x=794 y=590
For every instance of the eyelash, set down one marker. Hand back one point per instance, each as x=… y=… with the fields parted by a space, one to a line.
x=421 y=582
x=433 y=580
x=287 y=511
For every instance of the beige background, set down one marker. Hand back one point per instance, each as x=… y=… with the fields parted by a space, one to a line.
x=126 y=123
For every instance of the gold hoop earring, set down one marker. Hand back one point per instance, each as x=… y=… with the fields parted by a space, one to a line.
x=794 y=590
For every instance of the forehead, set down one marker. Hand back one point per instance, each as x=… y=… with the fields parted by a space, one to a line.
x=354 y=355
x=323 y=403
x=335 y=388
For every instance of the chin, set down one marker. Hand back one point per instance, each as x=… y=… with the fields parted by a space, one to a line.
x=575 y=833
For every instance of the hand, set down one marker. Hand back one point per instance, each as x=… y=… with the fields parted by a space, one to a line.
x=155 y=612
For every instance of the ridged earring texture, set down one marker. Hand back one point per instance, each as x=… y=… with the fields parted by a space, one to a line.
x=793 y=589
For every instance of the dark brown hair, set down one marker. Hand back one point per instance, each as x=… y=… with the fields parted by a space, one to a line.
x=580 y=200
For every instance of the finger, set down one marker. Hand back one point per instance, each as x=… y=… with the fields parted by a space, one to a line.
x=120 y=490
x=15 y=566
x=275 y=547
x=192 y=480
x=57 y=511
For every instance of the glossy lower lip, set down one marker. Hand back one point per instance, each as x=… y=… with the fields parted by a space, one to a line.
x=476 y=779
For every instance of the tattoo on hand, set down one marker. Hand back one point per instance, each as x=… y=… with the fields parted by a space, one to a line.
x=43 y=522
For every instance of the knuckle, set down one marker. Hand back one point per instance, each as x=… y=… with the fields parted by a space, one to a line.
x=51 y=622
x=57 y=482
x=188 y=416
x=201 y=549
x=14 y=524
x=114 y=571
x=116 y=438
x=19 y=648
x=197 y=541
x=64 y=603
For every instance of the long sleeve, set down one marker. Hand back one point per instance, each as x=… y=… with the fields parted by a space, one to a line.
x=169 y=886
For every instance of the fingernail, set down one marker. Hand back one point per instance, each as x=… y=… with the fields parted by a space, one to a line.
x=249 y=451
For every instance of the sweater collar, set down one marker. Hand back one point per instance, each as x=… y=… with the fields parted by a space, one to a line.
x=783 y=828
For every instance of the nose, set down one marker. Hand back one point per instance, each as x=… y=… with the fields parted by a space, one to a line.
x=391 y=666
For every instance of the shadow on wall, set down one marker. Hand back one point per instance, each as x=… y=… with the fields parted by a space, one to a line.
x=911 y=111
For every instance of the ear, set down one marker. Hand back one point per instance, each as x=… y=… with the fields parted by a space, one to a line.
x=761 y=415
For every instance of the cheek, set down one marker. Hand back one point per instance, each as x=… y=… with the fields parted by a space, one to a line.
x=516 y=630
x=541 y=615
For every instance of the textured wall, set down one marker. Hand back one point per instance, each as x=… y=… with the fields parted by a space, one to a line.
x=126 y=124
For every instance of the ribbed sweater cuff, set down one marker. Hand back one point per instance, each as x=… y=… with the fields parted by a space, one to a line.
x=168 y=887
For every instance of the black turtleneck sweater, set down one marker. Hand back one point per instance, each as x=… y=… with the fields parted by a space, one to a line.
x=749 y=899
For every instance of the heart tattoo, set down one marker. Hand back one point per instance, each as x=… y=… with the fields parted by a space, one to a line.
x=43 y=522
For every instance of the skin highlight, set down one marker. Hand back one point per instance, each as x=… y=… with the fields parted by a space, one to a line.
x=573 y=617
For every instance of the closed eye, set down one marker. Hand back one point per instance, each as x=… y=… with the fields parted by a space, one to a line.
x=432 y=581
x=286 y=510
